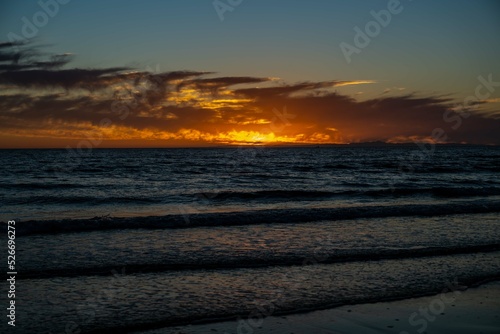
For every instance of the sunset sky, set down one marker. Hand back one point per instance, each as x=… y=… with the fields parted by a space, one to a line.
x=202 y=72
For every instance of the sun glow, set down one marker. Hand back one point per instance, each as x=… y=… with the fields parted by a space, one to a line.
x=253 y=137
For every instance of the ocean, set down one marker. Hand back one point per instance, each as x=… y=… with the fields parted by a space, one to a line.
x=132 y=240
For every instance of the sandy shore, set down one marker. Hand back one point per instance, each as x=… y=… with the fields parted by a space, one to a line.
x=475 y=310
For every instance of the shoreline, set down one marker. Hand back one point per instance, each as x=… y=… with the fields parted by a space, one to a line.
x=464 y=310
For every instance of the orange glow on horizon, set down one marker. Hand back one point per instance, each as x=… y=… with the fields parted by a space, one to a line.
x=95 y=134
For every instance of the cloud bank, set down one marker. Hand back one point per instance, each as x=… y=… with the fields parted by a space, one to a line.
x=43 y=97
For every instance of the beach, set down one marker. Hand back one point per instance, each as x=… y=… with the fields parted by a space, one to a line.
x=474 y=310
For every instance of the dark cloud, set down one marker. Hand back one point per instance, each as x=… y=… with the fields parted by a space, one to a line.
x=31 y=68
x=9 y=53
x=284 y=90
x=228 y=81
x=220 y=82
x=65 y=78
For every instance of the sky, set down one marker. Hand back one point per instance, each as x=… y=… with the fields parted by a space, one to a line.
x=181 y=73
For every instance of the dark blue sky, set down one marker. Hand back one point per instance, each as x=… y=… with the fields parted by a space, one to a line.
x=429 y=46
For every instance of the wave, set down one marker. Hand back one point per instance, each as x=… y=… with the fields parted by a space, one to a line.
x=82 y=200
x=333 y=256
x=277 y=216
x=338 y=166
x=266 y=194
x=449 y=192
x=30 y=186
x=489 y=168
x=235 y=196
x=176 y=324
